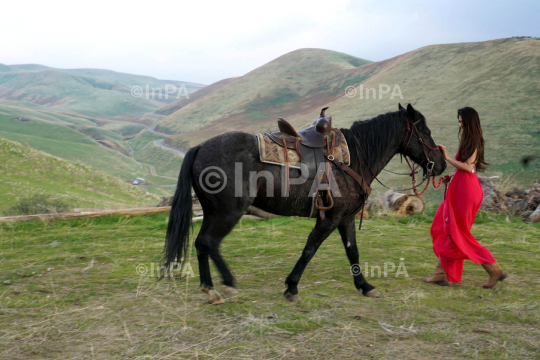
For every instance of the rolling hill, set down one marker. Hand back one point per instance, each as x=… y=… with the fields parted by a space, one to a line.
x=48 y=114
x=292 y=83
x=69 y=144
x=500 y=78
x=25 y=172
x=178 y=104
x=91 y=92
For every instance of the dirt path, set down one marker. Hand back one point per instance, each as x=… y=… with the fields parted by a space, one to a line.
x=160 y=142
x=151 y=167
x=162 y=145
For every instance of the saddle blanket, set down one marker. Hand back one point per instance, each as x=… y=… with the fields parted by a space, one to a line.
x=272 y=153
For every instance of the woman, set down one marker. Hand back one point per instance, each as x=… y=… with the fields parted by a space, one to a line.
x=452 y=239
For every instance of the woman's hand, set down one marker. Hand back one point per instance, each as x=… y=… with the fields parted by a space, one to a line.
x=446 y=179
x=443 y=150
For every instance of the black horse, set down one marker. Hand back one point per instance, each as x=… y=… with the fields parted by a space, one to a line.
x=233 y=155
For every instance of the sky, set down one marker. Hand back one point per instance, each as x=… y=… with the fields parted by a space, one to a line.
x=206 y=41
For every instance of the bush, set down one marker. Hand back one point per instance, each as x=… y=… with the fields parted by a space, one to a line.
x=38 y=204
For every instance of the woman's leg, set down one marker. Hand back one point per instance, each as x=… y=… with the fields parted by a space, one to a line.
x=439 y=277
x=495 y=274
x=453 y=268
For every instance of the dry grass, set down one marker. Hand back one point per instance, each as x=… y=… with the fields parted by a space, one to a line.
x=75 y=294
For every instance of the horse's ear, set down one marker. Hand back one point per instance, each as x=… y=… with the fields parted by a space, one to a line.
x=411 y=112
x=400 y=107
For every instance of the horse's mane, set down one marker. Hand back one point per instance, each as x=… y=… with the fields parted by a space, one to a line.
x=368 y=140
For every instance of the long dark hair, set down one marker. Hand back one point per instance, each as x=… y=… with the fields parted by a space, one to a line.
x=470 y=137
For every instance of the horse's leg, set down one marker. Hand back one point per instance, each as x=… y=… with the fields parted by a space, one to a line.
x=347 y=229
x=322 y=229
x=213 y=230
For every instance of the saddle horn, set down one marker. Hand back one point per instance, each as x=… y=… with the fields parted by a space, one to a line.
x=322 y=111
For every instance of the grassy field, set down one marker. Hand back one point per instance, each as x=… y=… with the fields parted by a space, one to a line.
x=79 y=290
x=25 y=172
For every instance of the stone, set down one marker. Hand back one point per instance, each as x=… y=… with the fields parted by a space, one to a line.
x=535 y=216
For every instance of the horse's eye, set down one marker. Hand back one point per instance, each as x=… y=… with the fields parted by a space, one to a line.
x=427 y=132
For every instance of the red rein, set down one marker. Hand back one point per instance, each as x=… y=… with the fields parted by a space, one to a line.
x=413 y=169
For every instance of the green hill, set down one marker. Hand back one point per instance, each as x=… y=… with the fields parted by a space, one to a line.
x=86 y=95
x=130 y=80
x=178 y=104
x=47 y=114
x=71 y=145
x=91 y=92
x=500 y=78
x=25 y=172
x=283 y=87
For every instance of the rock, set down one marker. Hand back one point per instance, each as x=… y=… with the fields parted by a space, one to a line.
x=491 y=218
x=492 y=197
x=7 y=282
x=515 y=193
x=535 y=216
x=534 y=200
x=165 y=201
x=517 y=205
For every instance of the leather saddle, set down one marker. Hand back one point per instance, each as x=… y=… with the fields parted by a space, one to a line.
x=309 y=144
x=318 y=135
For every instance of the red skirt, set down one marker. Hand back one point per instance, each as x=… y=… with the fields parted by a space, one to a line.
x=451 y=229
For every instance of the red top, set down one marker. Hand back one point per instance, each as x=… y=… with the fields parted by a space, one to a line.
x=451 y=228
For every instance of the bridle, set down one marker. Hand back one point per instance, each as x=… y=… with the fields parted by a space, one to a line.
x=430 y=163
x=411 y=129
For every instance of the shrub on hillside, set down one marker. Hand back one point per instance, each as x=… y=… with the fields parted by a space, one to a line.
x=38 y=204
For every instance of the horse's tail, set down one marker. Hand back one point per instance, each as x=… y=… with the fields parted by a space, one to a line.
x=177 y=238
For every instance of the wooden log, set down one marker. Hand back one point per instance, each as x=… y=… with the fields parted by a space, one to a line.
x=81 y=215
x=197 y=210
x=359 y=214
x=260 y=213
x=404 y=205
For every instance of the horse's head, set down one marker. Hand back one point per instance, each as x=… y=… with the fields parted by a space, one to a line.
x=418 y=144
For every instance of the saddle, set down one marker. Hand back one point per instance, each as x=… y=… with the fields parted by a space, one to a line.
x=316 y=145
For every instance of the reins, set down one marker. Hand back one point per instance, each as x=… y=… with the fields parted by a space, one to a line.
x=413 y=169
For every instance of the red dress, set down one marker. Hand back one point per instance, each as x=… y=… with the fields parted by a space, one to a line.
x=451 y=228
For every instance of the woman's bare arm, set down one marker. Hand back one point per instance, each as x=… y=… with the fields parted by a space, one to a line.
x=466 y=166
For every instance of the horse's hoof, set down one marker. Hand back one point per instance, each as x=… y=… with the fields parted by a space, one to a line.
x=373 y=293
x=292 y=297
x=230 y=293
x=213 y=296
